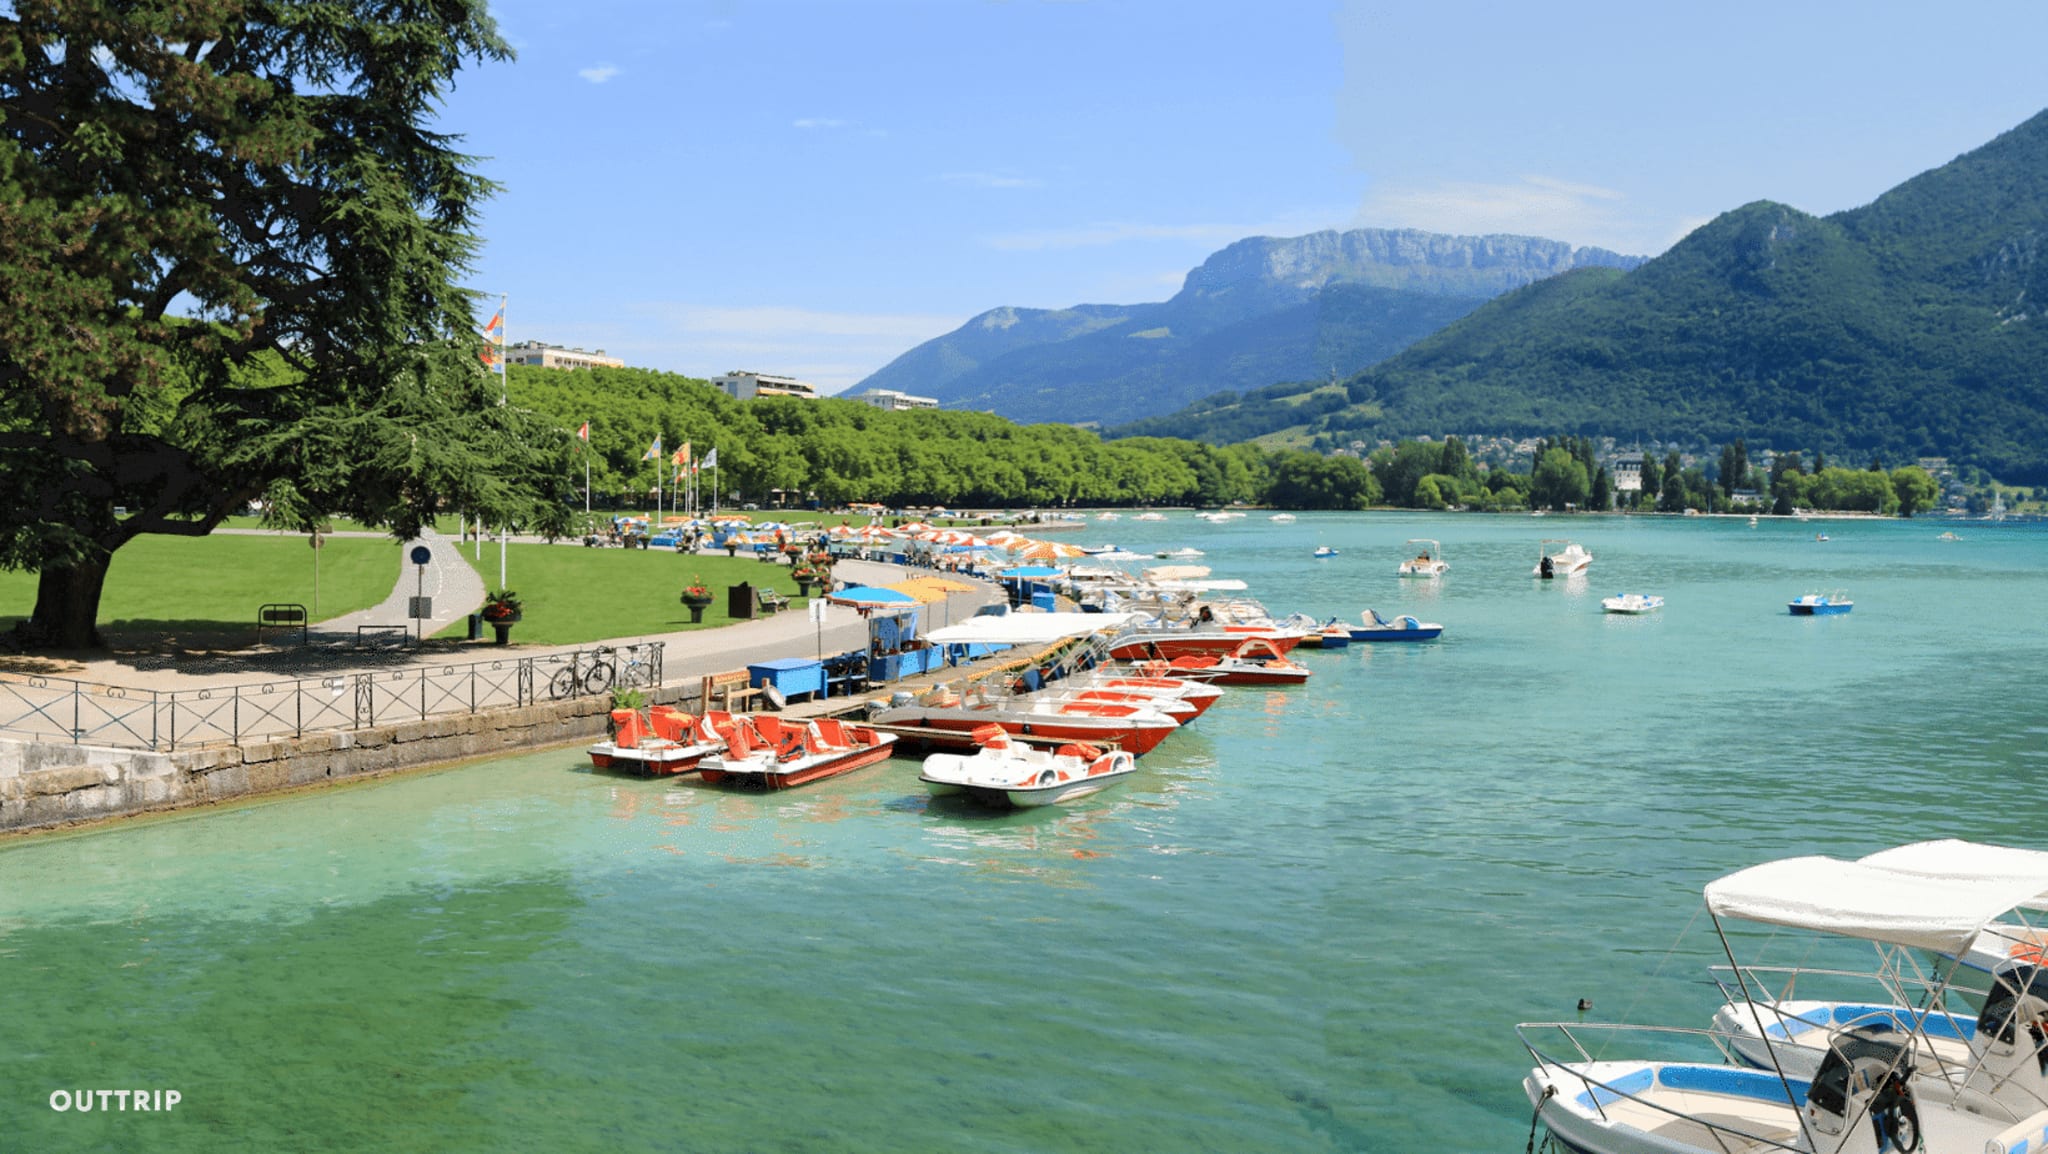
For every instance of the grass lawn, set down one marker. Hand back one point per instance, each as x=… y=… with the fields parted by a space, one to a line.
x=209 y=583
x=571 y=594
x=827 y=520
x=446 y=524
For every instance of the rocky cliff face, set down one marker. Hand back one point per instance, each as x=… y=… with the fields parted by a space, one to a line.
x=1253 y=314
x=1395 y=258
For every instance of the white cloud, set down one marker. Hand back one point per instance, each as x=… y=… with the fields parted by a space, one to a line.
x=599 y=74
x=830 y=349
x=817 y=122
x=990 y=180
x=1534 y=205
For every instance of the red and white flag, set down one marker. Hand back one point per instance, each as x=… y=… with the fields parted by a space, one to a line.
x=583 y=434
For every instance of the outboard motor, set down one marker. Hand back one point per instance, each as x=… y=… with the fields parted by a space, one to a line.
x=2011 y=1045
x=1548 y=569
x=1865 y=1073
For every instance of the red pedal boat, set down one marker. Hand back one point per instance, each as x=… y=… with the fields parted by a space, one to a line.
x=772 y=753
x=1256 y=662
x=662 y=743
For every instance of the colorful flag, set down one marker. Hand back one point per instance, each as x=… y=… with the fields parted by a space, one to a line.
x=583 y=434
x=683 y=455
x=711 y=458
x=494 y=332
x=489 y=356
x=653 y=452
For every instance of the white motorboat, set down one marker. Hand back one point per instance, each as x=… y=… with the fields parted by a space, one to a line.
x=1006 y=771
x=1557 y=557
x=1870 y=1090
x=1107 y=516
x=1632 y=603
x=1325 y=551
x=1151 y=517
x=1179 y=554
x=1283 y=518
x=1422 y=558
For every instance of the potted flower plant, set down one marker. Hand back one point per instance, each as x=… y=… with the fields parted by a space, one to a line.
x=502 y=610
x=696 y=596
x=805 y=577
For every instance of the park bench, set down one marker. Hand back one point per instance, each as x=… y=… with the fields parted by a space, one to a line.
x=281 y=615
x=728 y=691
x=768 y=600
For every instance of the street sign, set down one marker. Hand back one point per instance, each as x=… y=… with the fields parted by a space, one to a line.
x=419 y=608
x=421 y=555
x=818 y=610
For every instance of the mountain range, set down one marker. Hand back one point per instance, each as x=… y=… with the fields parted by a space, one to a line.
x=1911 y=326
x=1317 y=307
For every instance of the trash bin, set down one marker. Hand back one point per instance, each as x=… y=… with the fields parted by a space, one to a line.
x=739 y=601
x=476 y=627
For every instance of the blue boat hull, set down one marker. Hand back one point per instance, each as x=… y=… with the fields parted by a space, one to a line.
x=1395 y=634
x=1799 y=610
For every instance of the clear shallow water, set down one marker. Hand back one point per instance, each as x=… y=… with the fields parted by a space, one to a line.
x=1310 y=923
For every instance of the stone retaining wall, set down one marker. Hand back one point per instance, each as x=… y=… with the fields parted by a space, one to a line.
x=45 y=784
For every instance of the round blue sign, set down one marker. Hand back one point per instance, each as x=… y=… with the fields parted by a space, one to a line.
x=421 y=554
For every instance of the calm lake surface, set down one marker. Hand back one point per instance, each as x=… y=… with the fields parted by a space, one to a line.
x=1309 y=923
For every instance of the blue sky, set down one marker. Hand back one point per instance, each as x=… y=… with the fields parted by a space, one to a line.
x=813 y=188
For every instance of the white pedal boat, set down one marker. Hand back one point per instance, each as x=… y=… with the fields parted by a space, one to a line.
x=1004 y=771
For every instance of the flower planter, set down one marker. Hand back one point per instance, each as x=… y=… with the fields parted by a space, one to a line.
x=696 y=606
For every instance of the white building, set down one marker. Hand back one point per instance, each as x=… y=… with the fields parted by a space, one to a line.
x=1628 y=473
x=744 y=385
x=549 y=356
x=894 y=400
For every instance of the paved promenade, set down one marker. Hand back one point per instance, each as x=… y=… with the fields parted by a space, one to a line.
x=457 y=592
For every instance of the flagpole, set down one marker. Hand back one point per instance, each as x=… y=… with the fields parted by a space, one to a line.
x=586 y=477
x=504 y=300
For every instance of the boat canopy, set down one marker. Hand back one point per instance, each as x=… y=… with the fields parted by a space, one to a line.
x=1955 y=858
x=1872 y=902
x=1027 y=628
x=1176 y=573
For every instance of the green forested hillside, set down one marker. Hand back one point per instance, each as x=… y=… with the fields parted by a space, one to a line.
x=846 y=450
x=1911 y=326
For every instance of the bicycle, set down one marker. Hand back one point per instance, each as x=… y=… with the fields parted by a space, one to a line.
x=636 y=673
x=576 y=679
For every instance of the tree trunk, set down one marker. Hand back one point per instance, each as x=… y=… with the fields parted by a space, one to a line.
x=68 y=604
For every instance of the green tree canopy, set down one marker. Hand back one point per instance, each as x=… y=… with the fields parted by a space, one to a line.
x=266 y=169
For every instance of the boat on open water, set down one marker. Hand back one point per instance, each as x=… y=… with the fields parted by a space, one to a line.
x=1632 y=603
x=1398 y=628
x=1556 y=557
x=1422 y=558
x=1820 y=604
x=1004 y=771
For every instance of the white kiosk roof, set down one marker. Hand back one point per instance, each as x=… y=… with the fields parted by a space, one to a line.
x=1875 y=903
x=1027 y=628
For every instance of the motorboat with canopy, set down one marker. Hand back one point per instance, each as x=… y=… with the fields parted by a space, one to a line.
x=1423 y=557
x=1874 y=1086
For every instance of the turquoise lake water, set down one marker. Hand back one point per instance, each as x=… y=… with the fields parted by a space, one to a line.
x=1308 y=923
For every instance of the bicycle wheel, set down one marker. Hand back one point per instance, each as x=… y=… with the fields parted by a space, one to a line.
x=599 y=678
x=564 y=684
x=636 y=675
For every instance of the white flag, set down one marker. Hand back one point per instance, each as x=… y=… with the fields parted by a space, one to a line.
x=710 y=459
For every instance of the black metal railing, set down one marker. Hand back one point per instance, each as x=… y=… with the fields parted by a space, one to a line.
x=90 y=713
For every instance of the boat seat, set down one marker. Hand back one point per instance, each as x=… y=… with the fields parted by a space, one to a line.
x=1073 y=749
x=830 y=733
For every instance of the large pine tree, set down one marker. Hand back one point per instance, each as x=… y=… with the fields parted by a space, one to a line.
x=229 y=251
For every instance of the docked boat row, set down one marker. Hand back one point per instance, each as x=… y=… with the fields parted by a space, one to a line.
x=1940 y=1046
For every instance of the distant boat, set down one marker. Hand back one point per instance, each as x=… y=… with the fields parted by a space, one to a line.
x=1949 y=537
x=1423 y=557
x=1325 y=551
x=1820 y=605
x=1151 y=516
x=1632 y=603
x=1178 y=553
x=1403 y=628
x=1282 y=517
x=1106 y=516
x=1820 y=536
x=1752 y=521
x=1556 y=557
